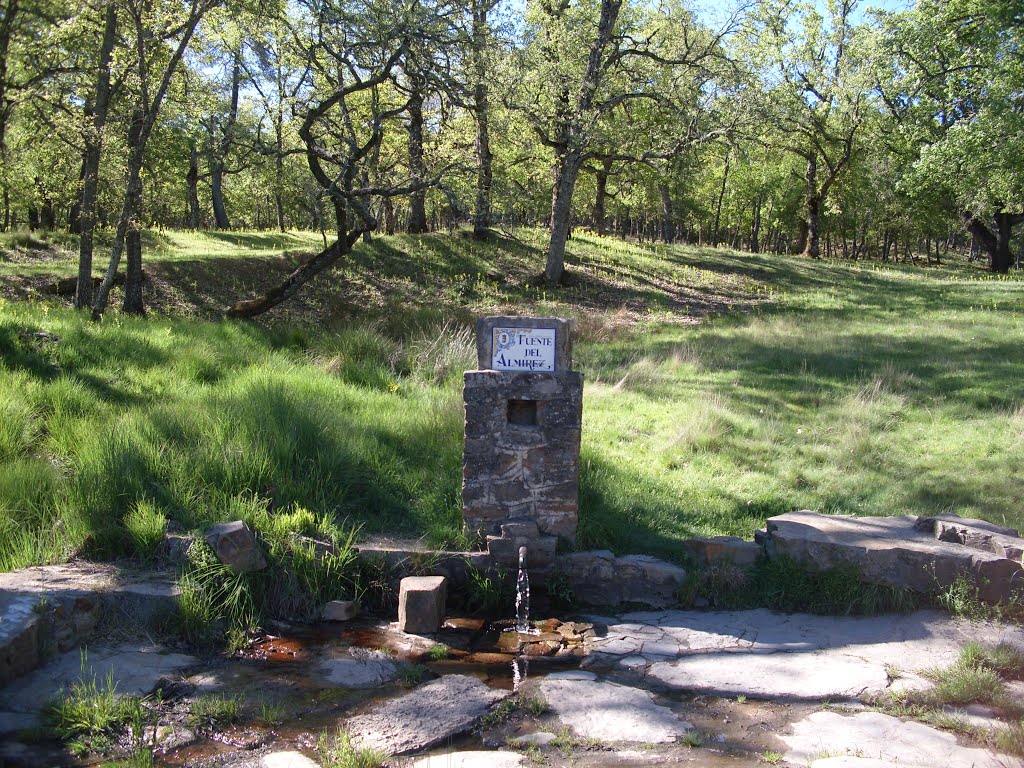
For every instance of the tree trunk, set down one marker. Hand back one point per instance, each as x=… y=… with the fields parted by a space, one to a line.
x=755 y=227
x=133 y=245
x=721 y=196
x=567 y=168
x=220 y=214
x=279 y=178
x=995 y=240
x=601 y=179
x=1002 y=257
x=222 y=146
x=192 y=182
x=812 y=243
x=417 y=166
x=481 y=110
x=668 y=225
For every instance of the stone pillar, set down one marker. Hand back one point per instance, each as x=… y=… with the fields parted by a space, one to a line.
x=524 y=410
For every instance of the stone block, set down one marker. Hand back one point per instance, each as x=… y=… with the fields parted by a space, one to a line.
x=421 y=604
x=340 y=610
x=236 y=546
x=721 y=549
x=599 y=578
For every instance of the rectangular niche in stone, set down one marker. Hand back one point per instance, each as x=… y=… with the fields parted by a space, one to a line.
x=522 y=442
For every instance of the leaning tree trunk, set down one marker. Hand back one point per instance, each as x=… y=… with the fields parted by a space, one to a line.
x=812 y=245
x=291 y=284
x=567 y=169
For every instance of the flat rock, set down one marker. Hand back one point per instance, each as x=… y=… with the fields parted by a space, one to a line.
x=784 y=675
x=851 y=761
x=881 y=738
x=358 y=673
x=429 y=715
x=135 y=670
x=12 y=722
x=892 y=551
x=288 y=760
x=610 y=712
x=471 y=760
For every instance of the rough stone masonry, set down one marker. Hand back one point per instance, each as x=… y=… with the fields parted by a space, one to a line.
x=522 y=446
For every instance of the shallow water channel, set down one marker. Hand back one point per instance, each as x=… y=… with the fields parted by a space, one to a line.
x=304 y=681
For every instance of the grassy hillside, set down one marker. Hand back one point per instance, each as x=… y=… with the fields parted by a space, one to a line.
x=838 y=387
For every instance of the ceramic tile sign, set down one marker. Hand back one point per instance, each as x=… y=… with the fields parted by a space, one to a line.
x=523 y=349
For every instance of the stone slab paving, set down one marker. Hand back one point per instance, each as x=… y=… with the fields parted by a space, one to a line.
x=814 y=676
x=135 y=669
x=766 y=654
x=288 y=760
x=610 y=712
x=497 y=759
x=882 y=738
x=429 y=715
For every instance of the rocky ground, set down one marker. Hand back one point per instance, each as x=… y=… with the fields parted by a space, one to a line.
x=669 y=687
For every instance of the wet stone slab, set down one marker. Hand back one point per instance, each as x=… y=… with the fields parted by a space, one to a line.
x=429 y=715
x=783 y=675
x=469 y=760
x=881 y=738
x=135 y=670
x=367 y=670
x=609 y=712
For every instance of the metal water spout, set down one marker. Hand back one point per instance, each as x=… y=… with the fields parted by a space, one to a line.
x=522 y=595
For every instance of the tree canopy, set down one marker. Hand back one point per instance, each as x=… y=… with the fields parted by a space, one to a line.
x=831 y=130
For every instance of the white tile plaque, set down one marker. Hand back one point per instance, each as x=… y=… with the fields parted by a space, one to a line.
x=523 y=349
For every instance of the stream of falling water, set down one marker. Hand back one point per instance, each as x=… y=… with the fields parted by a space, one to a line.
x=522 y=595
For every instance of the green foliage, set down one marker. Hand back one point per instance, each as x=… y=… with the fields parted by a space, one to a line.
x=964 y=684
x=1005 y=659
x=438 y=652
x=485 y=592
x=303 y=572
x=339 y=752
x=412 y=674
x=691 y=739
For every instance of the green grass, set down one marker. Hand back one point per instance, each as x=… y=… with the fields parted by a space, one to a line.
x=214 y=711
x=847 y=388
x=339 y=752
x=92 y=717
